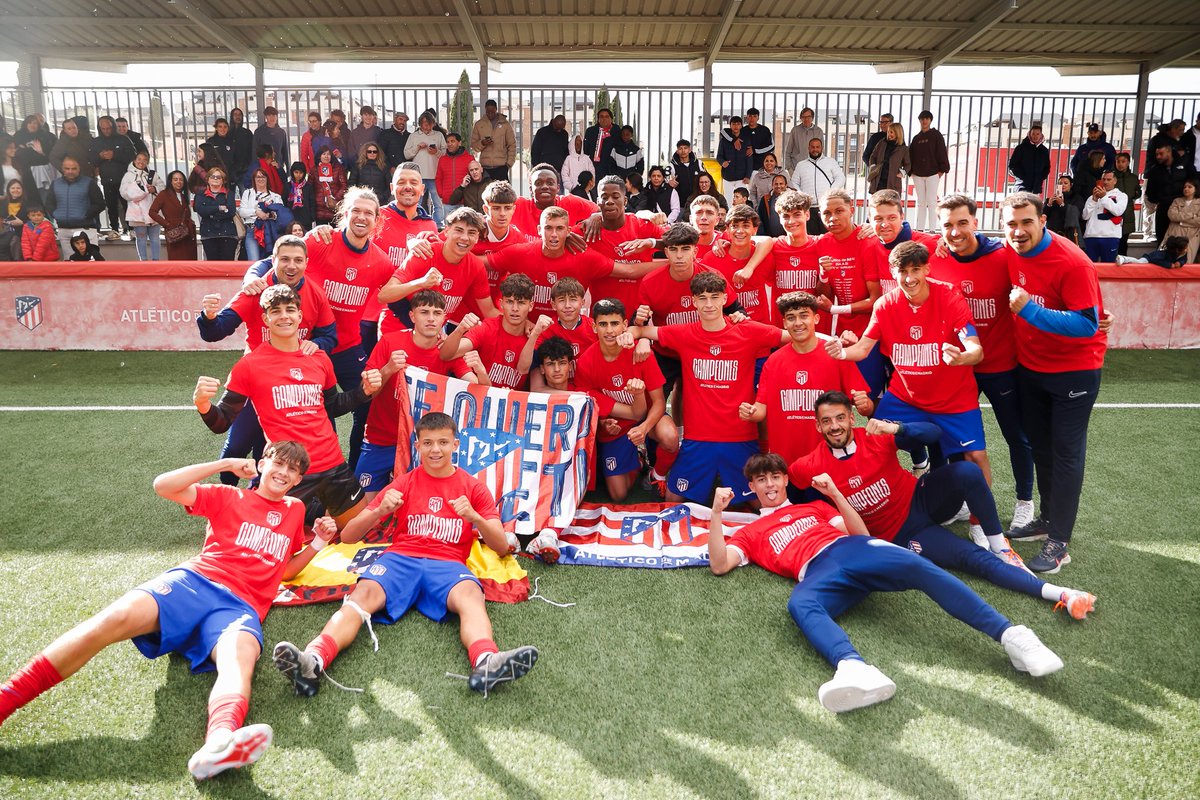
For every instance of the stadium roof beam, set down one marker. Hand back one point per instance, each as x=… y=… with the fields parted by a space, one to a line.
x=1173 y=54
x=717 y=36
x=952 y=46
x=230 y=39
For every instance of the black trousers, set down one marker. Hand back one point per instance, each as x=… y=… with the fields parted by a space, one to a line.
x=499 y=173
x=1055 y=410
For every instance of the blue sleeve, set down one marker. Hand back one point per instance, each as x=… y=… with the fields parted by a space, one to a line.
x=915 y=434
x=1076 y=324
x=219 y=327
x=258 y=269
x=325 y=337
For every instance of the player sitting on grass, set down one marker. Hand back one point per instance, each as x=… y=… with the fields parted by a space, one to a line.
x=902 y=509
x=294 y=394
x=210 y=608
x=838 y=565
x=430 y=514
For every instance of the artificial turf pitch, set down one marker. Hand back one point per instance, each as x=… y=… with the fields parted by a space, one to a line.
x=670 y=684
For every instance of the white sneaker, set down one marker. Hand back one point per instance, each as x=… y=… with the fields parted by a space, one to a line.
x=229 y=750
x=1022 y=514
x=545 y=545
x=1027 y=652
x=978 y=536
x=856 y=684
x=514 y=545
x=963 y=513
x=920 y=469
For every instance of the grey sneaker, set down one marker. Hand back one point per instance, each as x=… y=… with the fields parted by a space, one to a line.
x=1033 y=531
x=502 y=667
x=1051 y=559
x=300 y=666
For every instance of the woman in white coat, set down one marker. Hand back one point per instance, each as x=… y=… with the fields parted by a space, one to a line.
x=139 y=187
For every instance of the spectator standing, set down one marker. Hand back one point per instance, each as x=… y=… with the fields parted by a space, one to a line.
x=300 y=198
x=75 y=143
x=425 y=146
x=1164 y=183
x=367 y=132
x=551 y=144
x=598 y=143
x=270 y=133
x=206 y=159
x=1168 y=133
x=885 y=122
x=263 y=216
x=308 y=153
x=930 y=161
x=329 y=184
x=733 y=153
x=627 y=154
x=493 y=138
x=758 y=138
x=112 y=153
x=216 y=206
x=14 y=220
x=1102 y=214
x=139 y=187
x=223 y=145
x=394 y=139
x=452 y=169
x=798 y=138
x=74 y=201
x=1191 y=154
x=173 y=211
x=34 y=145
x=761 y=180
x=816 y=176
x=8 y=161
x=1128 y=183
x=139 y=144
x=1096 y=139
x=371 y=170
x=685 y=166
x=1030 y=162
x=1184 y=217
x=243 y=146
x=576 y=164
x=704 y=185
x=890 y=162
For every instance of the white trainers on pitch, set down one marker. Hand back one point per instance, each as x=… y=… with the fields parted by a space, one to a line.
x=978 y=537
x=545 y=545
x=1027 y=652
x=963 y=513
x=1022 y=514
x=230 y=750
x=856 y=684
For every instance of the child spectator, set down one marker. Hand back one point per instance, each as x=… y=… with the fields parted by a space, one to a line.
x=82 y=248
x=38 y=241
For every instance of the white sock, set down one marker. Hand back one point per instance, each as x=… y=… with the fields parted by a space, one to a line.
x=1051 y=592
x=654 y=476
x=996 y=542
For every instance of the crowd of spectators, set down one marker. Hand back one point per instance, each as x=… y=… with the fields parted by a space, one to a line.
x=244 y=190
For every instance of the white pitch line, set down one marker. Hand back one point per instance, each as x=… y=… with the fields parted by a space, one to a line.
x=192 y=408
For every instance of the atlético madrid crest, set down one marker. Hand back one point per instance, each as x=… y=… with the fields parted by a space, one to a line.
x=915 y=332
x=801 y=376
x=296 y=374
x=29 y=311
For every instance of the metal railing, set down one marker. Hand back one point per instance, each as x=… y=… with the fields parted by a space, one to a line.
x=980 y=128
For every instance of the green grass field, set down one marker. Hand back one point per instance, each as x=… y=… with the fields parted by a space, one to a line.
x=668 y=684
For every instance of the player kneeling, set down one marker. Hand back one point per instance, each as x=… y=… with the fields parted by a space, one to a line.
x=837 y=565
x=429 y=513
x=208 y=609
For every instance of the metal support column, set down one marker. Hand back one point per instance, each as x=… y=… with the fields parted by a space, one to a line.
x=1139 y=114
x=706 y=104
x=483 y=86
x=29 y=74
x=927 y=85
x=260 y=87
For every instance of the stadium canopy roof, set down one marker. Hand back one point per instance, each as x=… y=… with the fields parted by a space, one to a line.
x=1076 y=36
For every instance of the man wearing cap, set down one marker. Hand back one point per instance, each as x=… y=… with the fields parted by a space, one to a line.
x=270 y=133
x=367 y=131
x=1096 y=140
x=758 y=137
x=394 y=139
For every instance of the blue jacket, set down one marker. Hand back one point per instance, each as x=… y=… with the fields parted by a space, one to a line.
x=215 y=223
x=740 y=164
x=1079 y=160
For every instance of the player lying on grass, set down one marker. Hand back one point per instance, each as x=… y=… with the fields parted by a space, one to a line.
x=902 y=509
x=432 y=514
x=210 y=608
x=838 y=564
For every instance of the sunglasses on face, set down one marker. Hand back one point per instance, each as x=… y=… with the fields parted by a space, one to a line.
x=372 y=152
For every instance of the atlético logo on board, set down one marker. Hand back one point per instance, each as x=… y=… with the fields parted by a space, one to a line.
x=801 y=376
x=274 y=518
x=968 y=287
x=715 y=349
x=618 y=381
x=915 y=332
x=296 y=374
x=856 y=482
x=435 y=504
x=351 y=273
x=29 y=311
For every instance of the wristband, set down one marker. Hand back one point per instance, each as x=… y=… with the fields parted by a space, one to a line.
x=317 y=544
x=839 y=309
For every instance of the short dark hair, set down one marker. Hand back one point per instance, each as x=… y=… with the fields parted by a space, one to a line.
x=754 y=111
x=794 y=300
x=925 y=114
x=288 y=452
x=635 y=180
x=742 y=213
x=1176 y=244
x=435 y=421
x=607 y=307
x=427 y=297
x=490 y=103
x=958 y=200
x=834 y=398
x=705 y=282
x=555 y=348
x=764 y=464
x=793 y=200
x=289 y=240
x=681 y=233
x=518 y=285
x=908 y=254
x=1022 y=199
x=735 y=118
x=886 y=197
x=608 y=180
x=467 y=216
x=499 y=193
x=743 y=191
x=278 y=295
x=567 y=287
x=264 y=150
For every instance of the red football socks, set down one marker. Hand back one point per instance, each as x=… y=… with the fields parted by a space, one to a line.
x=480 y=648
x=663 y=460
x=227 y=711
x=31 y=680
x=325 y=649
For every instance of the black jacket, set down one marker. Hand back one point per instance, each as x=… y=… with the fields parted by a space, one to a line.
x=113 y=170
x=606 y=165
x=392 y=141
x=1030 y=165
x=550 y=147
x=1164 y=183
x=759 y=138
